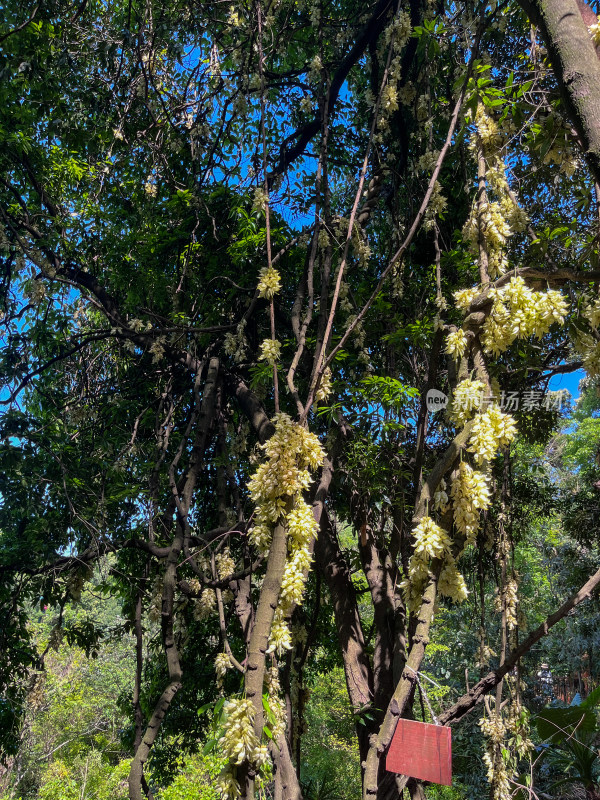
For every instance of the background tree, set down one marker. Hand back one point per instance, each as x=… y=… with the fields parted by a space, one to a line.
x=240 y=245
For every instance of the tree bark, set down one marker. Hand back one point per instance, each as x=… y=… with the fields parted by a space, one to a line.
x=357 y=668
x=257 y=649
x=401 y=697
x=575 y=64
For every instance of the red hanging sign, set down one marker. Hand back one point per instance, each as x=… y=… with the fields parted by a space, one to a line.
x=421 y=751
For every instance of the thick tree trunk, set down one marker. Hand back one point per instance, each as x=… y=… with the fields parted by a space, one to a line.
x=357 y=669
x=401 y=697
x=564 y=27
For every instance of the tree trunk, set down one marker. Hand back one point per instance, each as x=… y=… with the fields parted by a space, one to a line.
x=575 y=64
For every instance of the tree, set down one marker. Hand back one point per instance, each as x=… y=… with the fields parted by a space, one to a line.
x=241 y=245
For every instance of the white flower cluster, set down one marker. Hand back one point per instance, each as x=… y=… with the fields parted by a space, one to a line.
x=239 y=742
x=440 y=497
x=456 y=344
x=155 y=608
x=276 y=488
x=270 y=351
x=437 y=206
x=466 y=399
x=280 y=637
x=395 y=37
x=276 y=704
x=205 y=604
x=492 y=221
x=431 y=541
x=507 y=743
x=589 y=347
x=451 y=582
x=269 y=283
x=484 y=655
x=225 y=564
x=259 y=201
x=487 y=220
x=494 y=730
x=491 y=430
x=407 y=94
x=512 y=602
x=518 y=312
x=470 y=495
x=222 y=664
x=592 y=313
x=464 y=297
x=563 y=156
x=235 y=344
x=325 y=387
x=227 y=786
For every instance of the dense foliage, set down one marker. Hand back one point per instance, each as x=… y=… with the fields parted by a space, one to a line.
x=241 y=245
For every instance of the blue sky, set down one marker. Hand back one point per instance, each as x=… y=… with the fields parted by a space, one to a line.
x=569 y=380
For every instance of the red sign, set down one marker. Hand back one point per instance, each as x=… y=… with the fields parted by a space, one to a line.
x=421 y=751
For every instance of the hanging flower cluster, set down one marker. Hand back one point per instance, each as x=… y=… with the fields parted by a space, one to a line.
x=464 y=297
x=227 y=786
x=270 y=351
x=440 y=498
x=595 y=32
x=492 y=222
x=277 y=716
x=451 y=582
x=431 y=541
x=225 y=564
x=470 y=495
x=494 y=730
x=235 y=344
x=222 y=664
x=508 y=742
x=276 y=488
x=269 y=284
x=395 y=37
x=466 y=399
x=325 y=387
x=511 y=600
x=491 y=430
x=488 y=221
x=592 y=313
x=456 y=344
x=239 y=742
x=589 y=347
x=205 y=604
x=518 y=312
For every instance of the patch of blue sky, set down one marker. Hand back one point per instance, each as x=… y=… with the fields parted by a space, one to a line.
x=569 y=381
